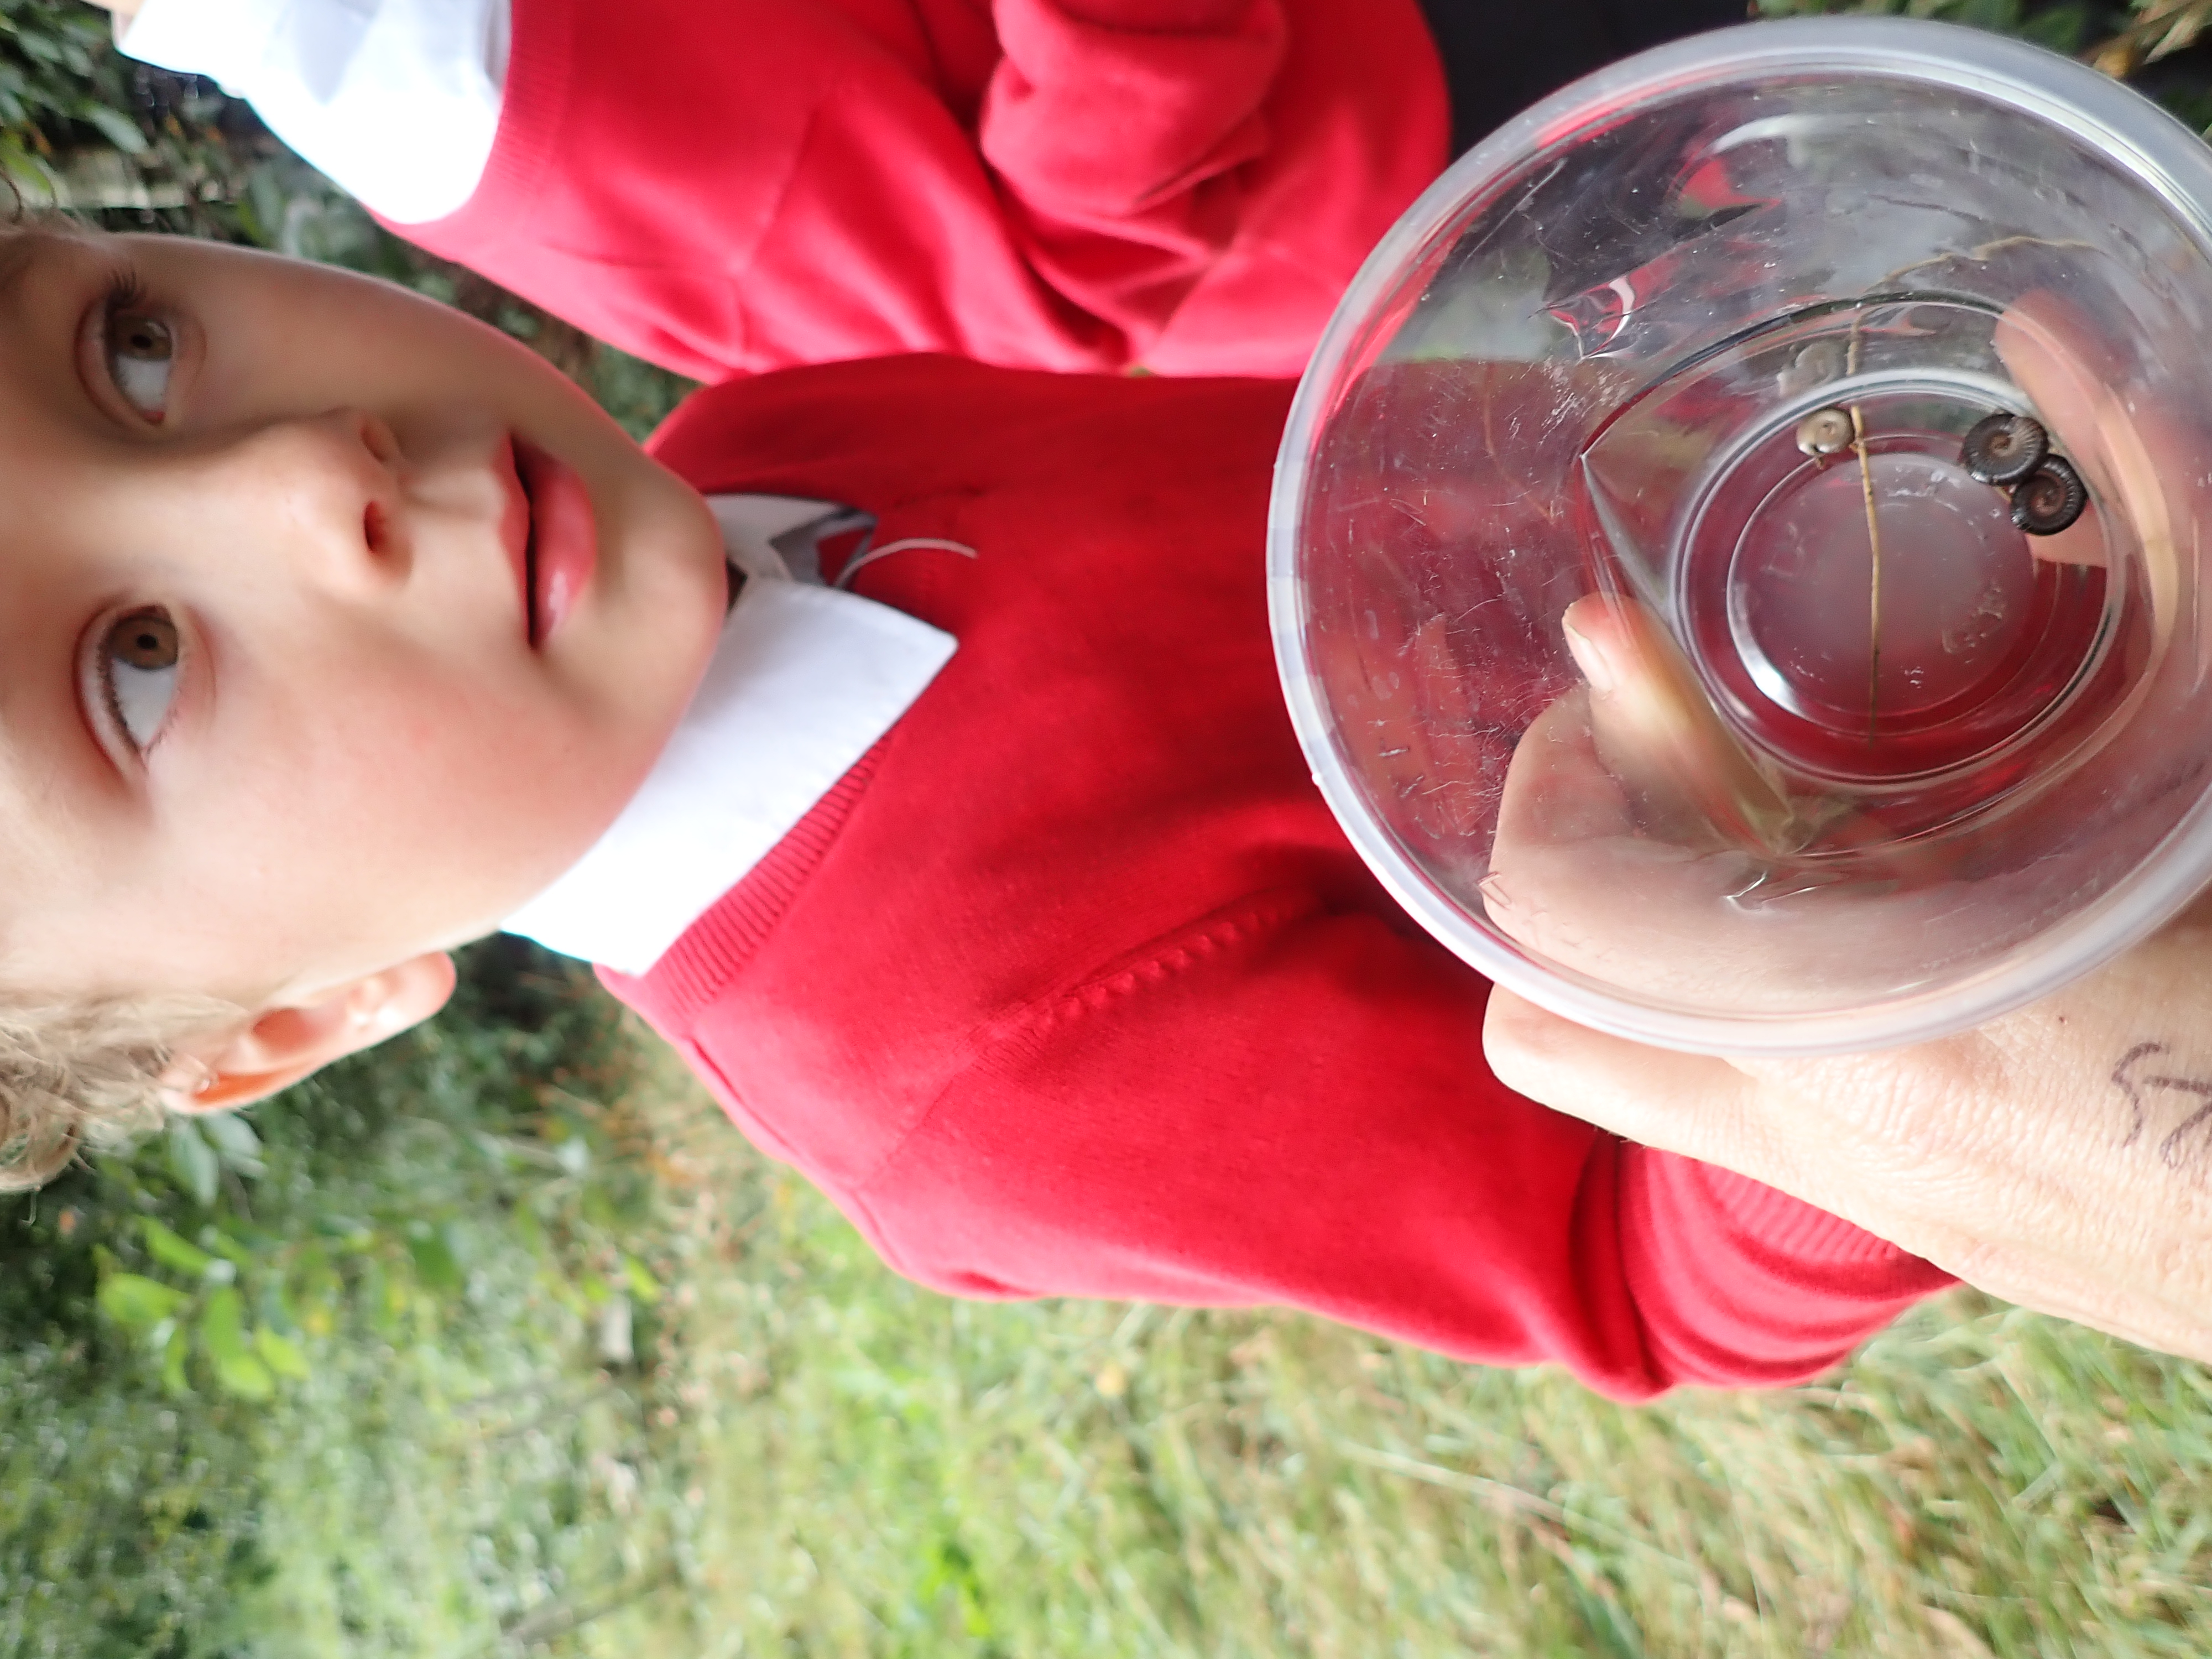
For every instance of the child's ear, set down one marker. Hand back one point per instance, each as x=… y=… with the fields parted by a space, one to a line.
x=278 y=1046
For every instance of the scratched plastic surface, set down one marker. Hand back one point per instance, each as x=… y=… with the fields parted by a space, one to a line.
x=1898 y=766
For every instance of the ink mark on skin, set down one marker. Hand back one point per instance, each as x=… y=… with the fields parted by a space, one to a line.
x=2126 y=1085
x=2169 y=1150
x=2124 y=1079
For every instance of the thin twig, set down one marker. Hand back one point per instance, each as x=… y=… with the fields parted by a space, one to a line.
x=1874 y=540
x=1874 y=580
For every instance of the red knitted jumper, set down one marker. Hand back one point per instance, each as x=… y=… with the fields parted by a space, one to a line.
x=1060 y=184
x=1074 y=987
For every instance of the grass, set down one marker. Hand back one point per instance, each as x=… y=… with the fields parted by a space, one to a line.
x=757 y=1441
x=821 y=1460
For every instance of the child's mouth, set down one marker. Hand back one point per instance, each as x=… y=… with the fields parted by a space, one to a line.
x=560 y=548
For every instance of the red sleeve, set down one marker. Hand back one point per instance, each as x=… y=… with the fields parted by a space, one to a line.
x=755 y=184
x=1288 y=1105
x=1127 y=228
x=1737 y=1283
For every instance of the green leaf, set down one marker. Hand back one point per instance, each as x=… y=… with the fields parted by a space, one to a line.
x=434 y=1264
x=2001 y=16
x=172 y=1251
x=2063 y=28
x=245 y=1377
x=642 y=1284
x=264 y=208
x=233 y=1140
x=173 y=1361
x=21 y=166
x=281 y=1354
x=238 y=1369
x=140 y=1302
x=120 y=129
x=192 y=1160
x=223 y=1325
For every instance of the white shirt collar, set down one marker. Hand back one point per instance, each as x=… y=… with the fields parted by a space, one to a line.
x=805 y=681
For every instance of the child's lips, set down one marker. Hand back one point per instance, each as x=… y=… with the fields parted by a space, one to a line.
x=558 y=548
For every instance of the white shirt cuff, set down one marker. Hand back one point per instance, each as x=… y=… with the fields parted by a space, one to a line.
x=396 y=101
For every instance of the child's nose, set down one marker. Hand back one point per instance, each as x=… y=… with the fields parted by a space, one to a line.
x=330 y=487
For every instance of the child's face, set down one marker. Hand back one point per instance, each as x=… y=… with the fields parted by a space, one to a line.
x=334 y=624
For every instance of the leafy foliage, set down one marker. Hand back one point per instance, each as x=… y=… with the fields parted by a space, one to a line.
x=456 y=1205
x=2158 y=29
x=58 y=75
x=2158 y=45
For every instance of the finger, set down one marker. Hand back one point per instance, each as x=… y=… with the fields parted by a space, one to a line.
x=1572 y=882
x=1694 y=1104
x=1556 y=794
x=1656 y=731
x=1557 y=791
x=1583 y=875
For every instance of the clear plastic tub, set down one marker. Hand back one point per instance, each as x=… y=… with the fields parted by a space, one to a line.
x=1736 y=347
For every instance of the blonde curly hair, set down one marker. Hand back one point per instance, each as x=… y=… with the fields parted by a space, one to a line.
x=92 y=1074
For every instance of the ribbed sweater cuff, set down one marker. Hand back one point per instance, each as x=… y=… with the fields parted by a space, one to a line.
x=1738 y=1284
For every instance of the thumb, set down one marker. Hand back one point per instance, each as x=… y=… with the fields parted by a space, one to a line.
x=1656 y=730
x=1692 y=1104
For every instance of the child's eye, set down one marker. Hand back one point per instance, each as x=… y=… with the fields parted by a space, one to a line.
x=140 y=349
x=137 y=671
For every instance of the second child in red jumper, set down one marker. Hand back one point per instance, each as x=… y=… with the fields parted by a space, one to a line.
x=969 y=857
x=1185 y=185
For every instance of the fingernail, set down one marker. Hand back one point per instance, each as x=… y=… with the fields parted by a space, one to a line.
x=1494 y=893
x=1588 y=657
